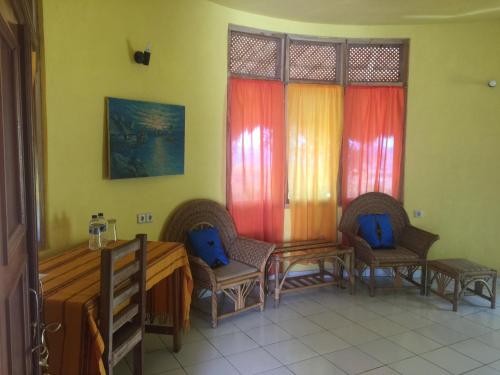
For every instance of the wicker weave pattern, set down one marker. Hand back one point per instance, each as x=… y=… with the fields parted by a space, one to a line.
x=190 y=214
x=202 y=213
x=412 y=244
x=251 y=252
x=374 y=203
x=399 y=254
x=456 y=267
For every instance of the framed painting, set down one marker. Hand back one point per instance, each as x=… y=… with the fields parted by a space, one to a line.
x=144 y=139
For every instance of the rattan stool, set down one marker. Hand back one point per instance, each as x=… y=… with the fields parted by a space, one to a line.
x=463 y=273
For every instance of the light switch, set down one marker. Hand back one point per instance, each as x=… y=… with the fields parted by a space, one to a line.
x=418 y=213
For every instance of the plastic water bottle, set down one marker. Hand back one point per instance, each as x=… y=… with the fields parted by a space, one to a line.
x=94 y=233
x=103 y=227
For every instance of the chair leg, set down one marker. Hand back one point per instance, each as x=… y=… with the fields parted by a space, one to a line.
x=456 y=294
x=372 y=281
x=262 y=295
x=138 y=358
x=423 y=281
x=214 y=309
x=493 y=291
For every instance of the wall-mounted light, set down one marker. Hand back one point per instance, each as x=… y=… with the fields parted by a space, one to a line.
x=492 y=83
x=143 y=57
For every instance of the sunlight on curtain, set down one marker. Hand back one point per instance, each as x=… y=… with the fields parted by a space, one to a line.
x=256 y=158
x=314 y=124
x=373 y=141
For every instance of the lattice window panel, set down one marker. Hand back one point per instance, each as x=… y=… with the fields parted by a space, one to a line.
x=313 y=61
x=375 y=63
x=255 y=55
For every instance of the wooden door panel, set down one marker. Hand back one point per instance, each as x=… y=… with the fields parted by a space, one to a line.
x=15 y=357
x=19 y=345
x=12 y=138
x=12 y=141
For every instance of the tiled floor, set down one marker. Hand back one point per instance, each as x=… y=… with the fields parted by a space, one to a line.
x=328 y=331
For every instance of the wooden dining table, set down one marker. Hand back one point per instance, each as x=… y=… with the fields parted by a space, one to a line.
x=71 y=287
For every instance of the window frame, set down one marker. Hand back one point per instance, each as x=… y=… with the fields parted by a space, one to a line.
x=343 y=57
x=343 y=75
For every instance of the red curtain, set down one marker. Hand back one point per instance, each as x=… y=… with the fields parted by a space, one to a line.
x=256 y=158
x=372 y=143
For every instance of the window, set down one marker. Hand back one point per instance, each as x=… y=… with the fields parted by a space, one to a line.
x=327 y=92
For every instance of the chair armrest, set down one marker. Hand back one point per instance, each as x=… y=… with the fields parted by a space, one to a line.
x=417 y=240
x=362 y=250
x=201 y=271
x=252 y=252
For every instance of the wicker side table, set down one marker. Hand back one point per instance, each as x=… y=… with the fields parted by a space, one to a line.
x=286 y=255
x=462 y=273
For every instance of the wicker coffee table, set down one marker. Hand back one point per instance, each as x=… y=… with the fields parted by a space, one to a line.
x=462 y=273
x=286 y=255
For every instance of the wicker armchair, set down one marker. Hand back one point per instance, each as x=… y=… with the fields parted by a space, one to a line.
x=412 y=244
x=248 y=258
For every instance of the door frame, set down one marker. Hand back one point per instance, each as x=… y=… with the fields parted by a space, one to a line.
x=27 y=13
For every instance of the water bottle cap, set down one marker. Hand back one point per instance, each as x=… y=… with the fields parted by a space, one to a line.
x=94 y=216
x=101 y=214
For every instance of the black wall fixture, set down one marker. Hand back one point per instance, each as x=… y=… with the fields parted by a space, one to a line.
x=143 y=57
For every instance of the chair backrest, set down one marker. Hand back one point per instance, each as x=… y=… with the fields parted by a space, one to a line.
x=197 y=214
x=123 y=299
x=374 y=203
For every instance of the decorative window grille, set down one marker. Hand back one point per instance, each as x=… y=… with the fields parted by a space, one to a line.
x=313 y=61
x=255 y=56
x=375 y=63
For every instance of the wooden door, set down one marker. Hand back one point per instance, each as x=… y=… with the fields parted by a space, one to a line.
x=15 y=343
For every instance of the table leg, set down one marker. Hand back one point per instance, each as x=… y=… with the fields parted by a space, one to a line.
x=321 y=265
x=177 y=286
x=276 y=281
x=455 y=294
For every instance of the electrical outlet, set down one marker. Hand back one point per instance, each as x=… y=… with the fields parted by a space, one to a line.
x=141 y=218
x=149 y=217
x=418 y=213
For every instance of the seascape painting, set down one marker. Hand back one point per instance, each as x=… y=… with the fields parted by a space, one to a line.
x=145 y=139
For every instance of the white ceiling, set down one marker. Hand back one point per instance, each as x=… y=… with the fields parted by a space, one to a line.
x=375 y=12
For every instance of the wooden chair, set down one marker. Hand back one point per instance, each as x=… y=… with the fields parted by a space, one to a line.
x=411 y=244
x=123 y=331
x=246 y=268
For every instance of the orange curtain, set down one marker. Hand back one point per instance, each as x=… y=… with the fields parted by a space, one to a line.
x=372 y=145
x=256 y=158
x=314 y=124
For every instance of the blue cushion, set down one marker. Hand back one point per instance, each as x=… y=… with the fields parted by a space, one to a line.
x=376 y=229
x=368 y=230
x=386 y=234
x=206 y=244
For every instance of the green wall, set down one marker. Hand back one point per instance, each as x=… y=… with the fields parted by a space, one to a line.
x=453 y=127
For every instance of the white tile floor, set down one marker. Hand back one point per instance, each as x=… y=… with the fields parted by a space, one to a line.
x=328 y=331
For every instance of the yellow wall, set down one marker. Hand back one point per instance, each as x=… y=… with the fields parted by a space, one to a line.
x=453 y=128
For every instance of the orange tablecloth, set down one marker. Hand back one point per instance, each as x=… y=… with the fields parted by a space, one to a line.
x=71 y=296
